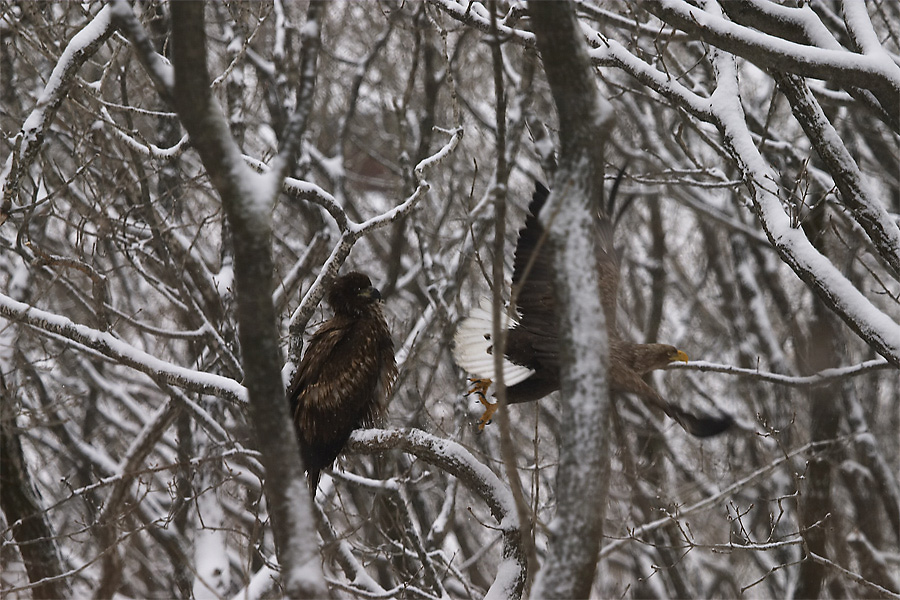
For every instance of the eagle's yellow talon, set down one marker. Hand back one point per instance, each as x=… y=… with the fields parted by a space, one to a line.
x=489 y=409
x=479 y=388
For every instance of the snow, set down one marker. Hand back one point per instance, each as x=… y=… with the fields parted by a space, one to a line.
x=807 y=19
x=119 y=350
x=160 y=67
x=822 y=377
x=835 y=151
x=310 y=29
x=840 y=59
x=791 y=243
x=88 y=35
x=509 y=575
x=261 y=584
x=304 y=572
x=145 y=148
x=278 y=49
x=582 y=309
x=491 y=489
x=210 y=547
x=224 y=279
x=268 y=136
x=856 y=17
x=648 y=74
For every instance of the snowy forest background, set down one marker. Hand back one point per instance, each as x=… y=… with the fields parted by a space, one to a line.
x=759 y=233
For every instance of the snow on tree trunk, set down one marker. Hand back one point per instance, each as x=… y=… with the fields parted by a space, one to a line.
x=570 y=217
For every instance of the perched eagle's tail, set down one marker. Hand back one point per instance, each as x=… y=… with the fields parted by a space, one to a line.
x=473 y=346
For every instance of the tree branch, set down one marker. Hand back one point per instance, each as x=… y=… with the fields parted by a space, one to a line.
x=449 y=456
x=109 y=346
x=769 y=52
x=29 y=140
x=868 y=212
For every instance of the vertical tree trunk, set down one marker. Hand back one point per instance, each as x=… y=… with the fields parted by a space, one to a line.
x=815 y=500
x=570 y=218
x=21 y=504
x=247 y=199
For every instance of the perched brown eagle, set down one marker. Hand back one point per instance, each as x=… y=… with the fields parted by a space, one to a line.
x=345 y=376
x=531 y=368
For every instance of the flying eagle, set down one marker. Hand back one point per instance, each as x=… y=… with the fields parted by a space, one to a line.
x=345 y=376
x=531 y=365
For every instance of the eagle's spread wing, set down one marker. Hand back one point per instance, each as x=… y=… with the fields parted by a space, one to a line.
x=534 y=341
x=341 y=383
x=533 y=266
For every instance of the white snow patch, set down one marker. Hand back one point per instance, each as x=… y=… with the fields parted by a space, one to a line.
x=211 y=550
x=224 y=279
x=509 y=574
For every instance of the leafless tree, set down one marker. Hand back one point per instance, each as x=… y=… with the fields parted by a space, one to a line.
x=180 y=182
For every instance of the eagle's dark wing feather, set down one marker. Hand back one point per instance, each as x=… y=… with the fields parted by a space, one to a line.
x=533 y=267
x=533 y=270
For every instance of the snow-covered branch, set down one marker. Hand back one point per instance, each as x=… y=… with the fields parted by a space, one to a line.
x=459 y=462
x=148 y=230
x=873 y=325
x=110 y=346
x=856 y=194
x=874 y=71
x=29 y=140
x=352 y=231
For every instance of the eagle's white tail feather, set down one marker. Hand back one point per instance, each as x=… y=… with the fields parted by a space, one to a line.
x=473 y=341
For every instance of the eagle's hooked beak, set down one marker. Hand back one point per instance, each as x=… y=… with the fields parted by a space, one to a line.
x=370 y=292
x=679 y=355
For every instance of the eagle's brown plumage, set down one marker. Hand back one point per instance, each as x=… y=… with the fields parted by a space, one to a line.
x=345 y=375
x=532 y=345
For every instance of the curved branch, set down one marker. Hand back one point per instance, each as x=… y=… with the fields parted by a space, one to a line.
x=451 y=457
x=855 y=192
x=845 y=68
x=871 y=324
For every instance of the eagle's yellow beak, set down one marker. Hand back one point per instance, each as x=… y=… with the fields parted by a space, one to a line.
x=679 y=355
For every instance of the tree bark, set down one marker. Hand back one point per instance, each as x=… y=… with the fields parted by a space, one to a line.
x=570 y=217
x=247 y=199
x=21 y=504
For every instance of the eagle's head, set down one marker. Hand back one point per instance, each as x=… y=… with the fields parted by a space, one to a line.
x=352 y=294
x=643 y=358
